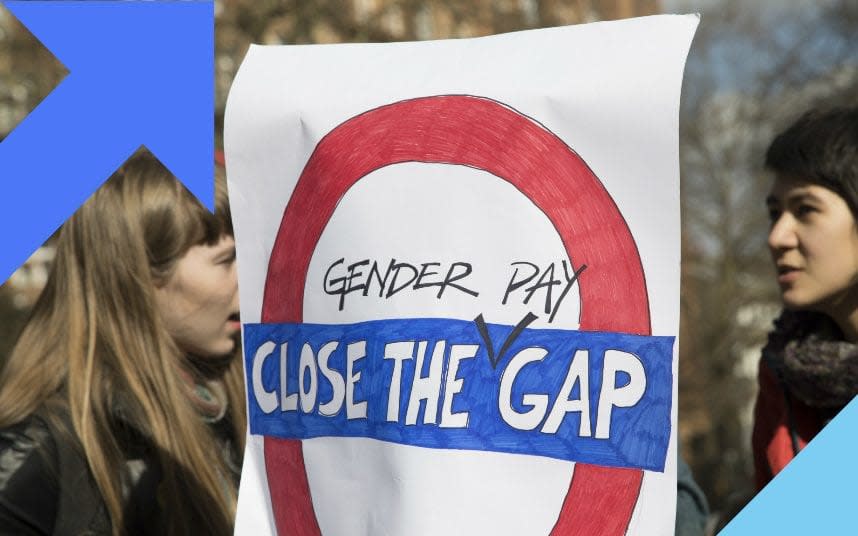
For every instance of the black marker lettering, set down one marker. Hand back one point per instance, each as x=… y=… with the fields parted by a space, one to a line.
x=393 y=289
x=448 y=281
x=514 y=284
x=419 y=284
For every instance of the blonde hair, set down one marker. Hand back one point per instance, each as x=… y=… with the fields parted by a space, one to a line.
x=96 y=342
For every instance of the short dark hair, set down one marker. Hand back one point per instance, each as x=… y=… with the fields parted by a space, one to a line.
x=821 y=147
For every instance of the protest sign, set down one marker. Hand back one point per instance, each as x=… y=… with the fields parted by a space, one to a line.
x=459 y=277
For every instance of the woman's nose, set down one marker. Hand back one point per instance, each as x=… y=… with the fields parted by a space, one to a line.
x=782 y=234
x=233 y=282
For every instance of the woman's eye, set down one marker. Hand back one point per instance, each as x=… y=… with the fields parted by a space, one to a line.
x=804 y=210
x=229 y=258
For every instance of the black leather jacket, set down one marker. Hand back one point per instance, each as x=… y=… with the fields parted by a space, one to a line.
x=46 y=487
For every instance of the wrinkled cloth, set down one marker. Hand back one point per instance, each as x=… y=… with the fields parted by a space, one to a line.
x=46 y=486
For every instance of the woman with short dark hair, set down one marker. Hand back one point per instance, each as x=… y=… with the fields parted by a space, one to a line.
x=809 y=367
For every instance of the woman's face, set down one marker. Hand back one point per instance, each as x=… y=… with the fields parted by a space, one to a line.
x=199 y=301
x=814 y=244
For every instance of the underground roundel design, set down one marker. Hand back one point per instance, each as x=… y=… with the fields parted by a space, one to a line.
x=620 y=370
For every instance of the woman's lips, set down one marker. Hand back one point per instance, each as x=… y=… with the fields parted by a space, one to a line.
x=787 y=274
x=234 y=322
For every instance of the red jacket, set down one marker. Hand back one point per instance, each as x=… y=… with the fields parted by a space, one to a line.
x=777 y=424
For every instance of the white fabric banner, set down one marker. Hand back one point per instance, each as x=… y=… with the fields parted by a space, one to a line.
x=459 y=276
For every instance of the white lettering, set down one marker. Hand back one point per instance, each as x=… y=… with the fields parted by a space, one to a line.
x=354 y=352
x=305 y=365
x=530 y=419
x=267 y=400
x=562 y=405
x=338 y=386
x=623 y=397
x=287 y=402
x=398 y=352
x=453 y=385
x=426 y=388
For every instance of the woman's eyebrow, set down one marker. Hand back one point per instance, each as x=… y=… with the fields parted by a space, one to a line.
x=792 y=197
x=223 y=251
x=800 y=196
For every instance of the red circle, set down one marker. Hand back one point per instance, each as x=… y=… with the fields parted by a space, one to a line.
x=483 y=134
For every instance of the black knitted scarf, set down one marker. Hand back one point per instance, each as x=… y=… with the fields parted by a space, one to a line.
x=807 y=352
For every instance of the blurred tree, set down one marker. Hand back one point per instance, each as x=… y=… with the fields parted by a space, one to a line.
x=28 y=72
x=271 y=22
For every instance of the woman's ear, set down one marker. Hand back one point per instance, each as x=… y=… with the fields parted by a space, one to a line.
x=161 y=276
x=162 y=297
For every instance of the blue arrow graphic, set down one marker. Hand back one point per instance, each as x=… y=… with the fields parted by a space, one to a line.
x=815 y=493
x=140 y=73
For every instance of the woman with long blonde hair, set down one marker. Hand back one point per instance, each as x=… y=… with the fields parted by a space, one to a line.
x=121 y=405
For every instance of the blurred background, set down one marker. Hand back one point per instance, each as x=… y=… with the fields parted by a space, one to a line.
x=753 y=68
